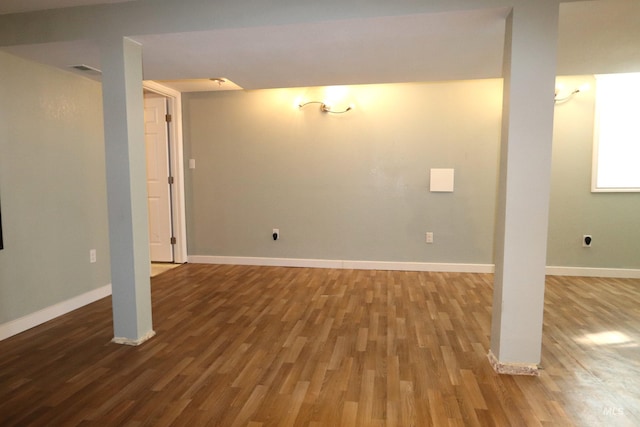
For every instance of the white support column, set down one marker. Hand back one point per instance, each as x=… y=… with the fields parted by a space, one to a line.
x=126 y=189
x=524 y=187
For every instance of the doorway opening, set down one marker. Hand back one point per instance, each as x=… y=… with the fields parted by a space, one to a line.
x=165 y=174
x=159 y=178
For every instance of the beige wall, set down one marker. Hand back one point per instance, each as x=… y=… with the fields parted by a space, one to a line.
x=52 y=185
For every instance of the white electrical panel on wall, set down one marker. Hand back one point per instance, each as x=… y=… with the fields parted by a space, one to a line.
x=441 y=180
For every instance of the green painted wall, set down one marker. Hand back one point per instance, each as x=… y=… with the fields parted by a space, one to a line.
x=613 y=219
x=351 y=186
x=52 y=185
x=355 y=186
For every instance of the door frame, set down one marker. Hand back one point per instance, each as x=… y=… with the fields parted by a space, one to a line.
x=178 y=212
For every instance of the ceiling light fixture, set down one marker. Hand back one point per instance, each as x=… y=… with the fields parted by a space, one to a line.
x=326 y=108
x=218 y=80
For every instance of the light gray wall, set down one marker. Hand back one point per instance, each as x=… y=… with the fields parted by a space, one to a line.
x=355 y=186
x=52 y=185
x=613 y=219
x=348 y=187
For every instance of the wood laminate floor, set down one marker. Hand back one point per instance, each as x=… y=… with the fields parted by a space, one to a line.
x=158 y=268
x=270 y=346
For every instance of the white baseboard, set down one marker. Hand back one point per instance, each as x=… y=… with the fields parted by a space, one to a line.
x=342 y=264
x=620 y=273
x=29 y=321
x=419 y=266
x=271 y=262
x=614 y=273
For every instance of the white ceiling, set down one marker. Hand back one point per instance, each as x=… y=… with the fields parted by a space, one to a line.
x=408 y=48
x=427 y=47
x=17 y=6
x=595 y=37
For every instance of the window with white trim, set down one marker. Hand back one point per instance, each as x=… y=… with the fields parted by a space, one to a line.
x=616 y=149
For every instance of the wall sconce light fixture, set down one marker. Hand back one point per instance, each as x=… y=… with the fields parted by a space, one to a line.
x=562 y=99
x=326 y=108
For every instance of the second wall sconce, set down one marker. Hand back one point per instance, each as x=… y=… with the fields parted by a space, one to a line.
x=558 y=99
x=562 y=99
x=326 y=108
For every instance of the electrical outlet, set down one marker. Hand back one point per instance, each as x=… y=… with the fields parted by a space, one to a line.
x=92 y=256
x=587 y=240
x=429 y=237
x=276 y=233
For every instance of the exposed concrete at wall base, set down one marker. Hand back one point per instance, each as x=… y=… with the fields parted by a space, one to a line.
x=127 y=341
x=512 y=368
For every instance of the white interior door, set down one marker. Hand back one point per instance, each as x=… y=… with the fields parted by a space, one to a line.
x=158 y=186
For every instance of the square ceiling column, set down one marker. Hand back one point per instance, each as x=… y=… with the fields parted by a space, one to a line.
x=126 y=189
x=524 y=187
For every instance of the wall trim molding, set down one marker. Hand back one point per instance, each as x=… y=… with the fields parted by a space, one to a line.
x=343 y=264
x=619 y=273
x=613 y=273
x=39 y=317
